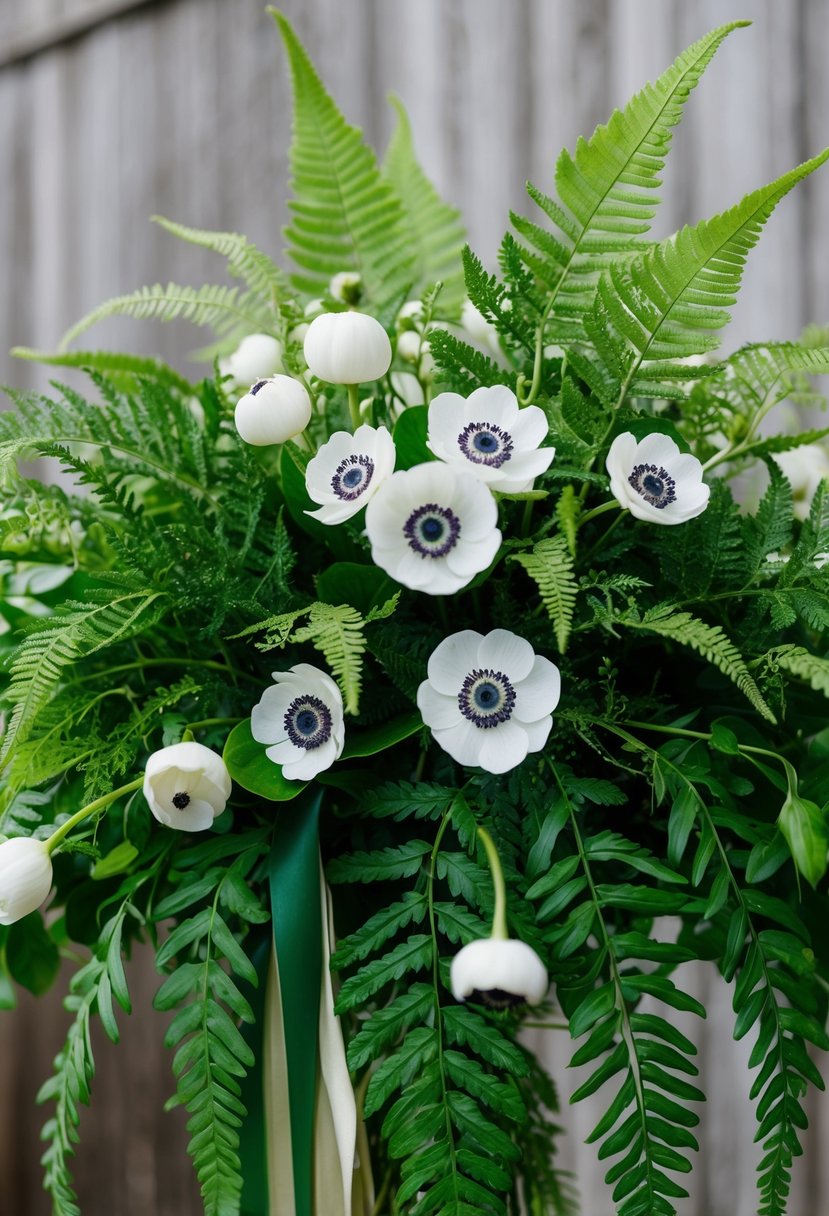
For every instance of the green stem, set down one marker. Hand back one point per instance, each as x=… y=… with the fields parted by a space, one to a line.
x=499 y=919
x=610 y=505
x=98 y=805
x=354 y=404
x=205 y=722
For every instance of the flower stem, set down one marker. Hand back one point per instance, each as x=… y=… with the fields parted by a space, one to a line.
x=98 y=805
x=610 y=505
x=354 y=404
x=499 y=920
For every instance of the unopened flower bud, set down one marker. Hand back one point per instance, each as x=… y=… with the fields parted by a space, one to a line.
x=25 y=877
x=274 y=411
x=256 y=356
x=347 y=348
x=347 y=287
x=498 y=973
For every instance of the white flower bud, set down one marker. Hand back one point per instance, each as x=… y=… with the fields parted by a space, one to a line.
x=256 y=356
x=408 y=346
x=481 y=331
x=313 y=307
x=273 y=411
x=186 y=786
x=347 y=348
x=347 y=287
x=25 y=877
x=498 y=973
x=410 y=315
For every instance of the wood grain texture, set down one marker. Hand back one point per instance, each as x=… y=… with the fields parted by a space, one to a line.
x=183 y=108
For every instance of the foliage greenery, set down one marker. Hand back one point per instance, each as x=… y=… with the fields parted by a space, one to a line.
x=153 y=591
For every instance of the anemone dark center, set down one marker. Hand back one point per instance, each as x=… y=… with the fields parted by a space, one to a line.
x=307 y=722
x=432 y=531
x=180 y=801
x=485 y=443
x=256 y=387
x=655 y=485
x=352 y=477
x=486 y=698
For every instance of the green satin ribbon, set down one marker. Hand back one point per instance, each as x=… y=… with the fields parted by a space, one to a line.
x=297 y=935
x=252 y=1147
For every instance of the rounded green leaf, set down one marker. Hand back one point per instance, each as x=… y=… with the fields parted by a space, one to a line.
x=250 y=767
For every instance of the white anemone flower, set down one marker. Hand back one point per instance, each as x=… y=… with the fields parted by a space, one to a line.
x=347 y=348
x=488 y=699
x=347 y=471
x=490 y=436
x=256 y=356
x=25 y=877
x=275 y=410
x=186 y=786
x=300 y=718
x=653 y=480
x=432 y=528
x=498 y=973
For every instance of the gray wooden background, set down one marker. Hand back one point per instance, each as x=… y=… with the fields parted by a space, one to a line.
x=112 y=110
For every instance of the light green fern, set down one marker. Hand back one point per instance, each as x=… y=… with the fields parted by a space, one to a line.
x=434 y=228
x=608 y=187
x=244 y=260
x=345 y=214
x=550 y=566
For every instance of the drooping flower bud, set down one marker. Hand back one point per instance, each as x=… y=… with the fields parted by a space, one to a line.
x=256 y=356
x=186 y=786
x=274 y=411
x=347 y=348
x=498 y=973
x=25 y=877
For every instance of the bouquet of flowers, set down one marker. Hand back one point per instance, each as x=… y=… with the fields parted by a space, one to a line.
x=417 y=667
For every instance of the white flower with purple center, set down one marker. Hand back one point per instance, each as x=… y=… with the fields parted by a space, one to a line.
x=488 y=699
x=653 y=480
x=490 y=436
x=432 y=528
x=347 y=471
x=300 y=718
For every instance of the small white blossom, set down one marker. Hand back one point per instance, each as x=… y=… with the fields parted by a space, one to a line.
x=300 y=718
x=498 y=973
x=347 y=348
x=274 y=411
x=804 y=468
x=488 y=699
x=347 y=471
x=186 y=786
x=408 y=345
x=347 y=287
x=653 y=480
x=410 y=315
x=256 y=357
x=432 y=528
x=408 y=390
x=491 y=437
x=25 y=877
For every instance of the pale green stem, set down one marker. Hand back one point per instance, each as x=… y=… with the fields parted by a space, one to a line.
x=499 y=920
x=354 y=404
x=98 y=805
x=611 y=505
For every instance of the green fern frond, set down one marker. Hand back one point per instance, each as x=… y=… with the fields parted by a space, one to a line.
x=346 y=216
x=435 y=228
x=78 y=631
x=608 y=187
x=550 y=566
x=338 y=631
x=708 y=641
x=802 y=664
x=763 y=374
x=244 y=260
x=112 y=363
x=223 y=308
x=667 y=303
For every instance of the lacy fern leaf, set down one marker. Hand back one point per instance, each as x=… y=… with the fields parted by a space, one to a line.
x=608 y=187
x=708 y=641
x=550 y=565
x=261 y=275
x=338 y=631
x=346 y=216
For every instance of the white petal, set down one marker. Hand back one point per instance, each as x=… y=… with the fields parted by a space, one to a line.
x=461 y=741
x=284 y=752
x=336 y=513
x=267 y=718
x=446 y=421
x=503 y=747
x=511 y=966
x=538 y=732
x=437 y=711
x=451 y=662
x=621 y=458
x=537 y=695
x=504 y=651
x=496 y=404
x=530 y=427
x=657 y=449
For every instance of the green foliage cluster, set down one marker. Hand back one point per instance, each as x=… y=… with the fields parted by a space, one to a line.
x=154 y=593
